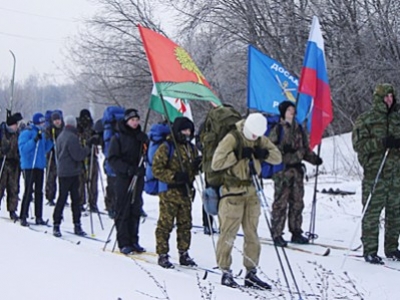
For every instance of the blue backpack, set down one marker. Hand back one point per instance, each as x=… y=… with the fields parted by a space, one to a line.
x=267 y=169
x=111 y=116
x=157 y=136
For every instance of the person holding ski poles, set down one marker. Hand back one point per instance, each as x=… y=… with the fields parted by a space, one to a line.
x=292 y=141
x=10 y=159
x=239 y=204
x=33 y=146
x=376 y=140
x=125 y=158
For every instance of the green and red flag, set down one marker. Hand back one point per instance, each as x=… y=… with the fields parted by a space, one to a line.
x=175 y=107
x=174 y=72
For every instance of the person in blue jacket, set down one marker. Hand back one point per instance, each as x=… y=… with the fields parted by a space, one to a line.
x=33 y=146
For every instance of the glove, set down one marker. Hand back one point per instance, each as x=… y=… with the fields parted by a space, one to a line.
x=196 y=163
x=38 y=137
x=261 y=153
x=93 y=140
x=182 y=177
x=246 y=152
x=288 y=149
x=318 y=161
x=131 y=171
x=391 y=142
x=142 y=137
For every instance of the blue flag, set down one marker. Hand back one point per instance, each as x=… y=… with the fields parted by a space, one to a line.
x=269 y=83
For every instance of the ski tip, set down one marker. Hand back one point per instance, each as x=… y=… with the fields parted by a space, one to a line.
x=327 y=252
x=205 y=275
x=78 y=243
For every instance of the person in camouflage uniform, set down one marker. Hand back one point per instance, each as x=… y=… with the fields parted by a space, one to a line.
x=176 y=194
x=240 y=149
x=292 y=141
x=9 y=157
x=52 y=131
x=376 y=132
x=88 y=189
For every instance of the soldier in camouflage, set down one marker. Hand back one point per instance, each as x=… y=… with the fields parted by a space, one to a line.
x=53 y=131
x=9 y=158
x=176 y=196
x=292 y=141
x=239 y=204
x=88 y=189
x=375 y=132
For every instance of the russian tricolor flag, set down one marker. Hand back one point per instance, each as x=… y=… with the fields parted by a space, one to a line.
x=314 y=82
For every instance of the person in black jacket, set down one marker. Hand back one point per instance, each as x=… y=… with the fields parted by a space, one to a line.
x=70 y=155
x=124 y=156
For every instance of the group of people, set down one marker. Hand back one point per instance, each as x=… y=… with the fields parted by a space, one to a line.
x=67 y=149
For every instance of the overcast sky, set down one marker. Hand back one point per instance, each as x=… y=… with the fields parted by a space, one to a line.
x=37 y=31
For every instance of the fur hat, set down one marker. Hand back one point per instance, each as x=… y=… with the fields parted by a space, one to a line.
x=70 y=121
x=283 y=106
x=38 y=118
x=13 y=119
x=85 y=113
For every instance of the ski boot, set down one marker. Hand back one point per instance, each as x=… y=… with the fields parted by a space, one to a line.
x=393 y=255
x=40 y=221
x=56 y=231
x=137 y=248
x=280 y=242
x=126 y=250
x=297 y=238
x=227 y=279
x=251 y=280
x=373 y=258
x=185 y=259
x=51 y=203
x=78 y=230
x=13 y=216
x=163 y=261
x=24 y=222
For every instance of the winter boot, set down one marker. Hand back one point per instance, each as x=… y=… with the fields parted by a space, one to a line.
x=163 y=261
x=13 y=216
x=251 y=280
x=126 y=250
x=227 y=279
x=185 y=259
x=78 y=230
x=137 y=248
x=40 y=221
x=24 y=222
x=280 y=242
x=56 y=231
x=393 y=255
x=297 y=238
x=373 y=258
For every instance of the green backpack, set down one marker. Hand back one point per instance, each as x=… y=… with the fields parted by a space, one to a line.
x=219 y=121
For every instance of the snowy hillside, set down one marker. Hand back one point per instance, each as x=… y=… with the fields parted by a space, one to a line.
x=35 y=265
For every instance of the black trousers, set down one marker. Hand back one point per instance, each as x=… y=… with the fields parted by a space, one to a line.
x=207 y=223
x=68 y=185
x=128 y=213
x=33 y=178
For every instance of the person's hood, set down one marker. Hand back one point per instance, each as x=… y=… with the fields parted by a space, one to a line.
x=380 y=92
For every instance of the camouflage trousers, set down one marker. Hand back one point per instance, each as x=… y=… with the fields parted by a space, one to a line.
x=385 y=196
x=51 y=179
x=173 y=206
x=234 y=211
x=10 y=183
x=289 y=191
x=88 y=190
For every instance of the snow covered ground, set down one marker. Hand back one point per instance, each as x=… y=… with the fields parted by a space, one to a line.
x=36 y=265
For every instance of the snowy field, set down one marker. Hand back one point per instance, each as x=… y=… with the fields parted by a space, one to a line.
x=35 y=265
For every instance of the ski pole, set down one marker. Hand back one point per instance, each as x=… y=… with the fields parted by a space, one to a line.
x=378 y=174
x=264 y=206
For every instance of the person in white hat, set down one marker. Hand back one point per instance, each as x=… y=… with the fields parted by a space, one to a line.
x=239 y=204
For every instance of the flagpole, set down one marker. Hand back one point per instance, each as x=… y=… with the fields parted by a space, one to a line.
x=311 y=232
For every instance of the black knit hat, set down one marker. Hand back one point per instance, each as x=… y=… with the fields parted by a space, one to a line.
x=284 y=106
x=56 y=116
x=131 y=113
x=182 y=123
x=85 y=113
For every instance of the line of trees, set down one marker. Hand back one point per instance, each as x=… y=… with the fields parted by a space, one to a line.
x=361 y=44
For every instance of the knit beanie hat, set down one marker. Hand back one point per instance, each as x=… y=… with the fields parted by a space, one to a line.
x=255 y=124
x=70 y=121
x=131 y=113
x=284 y=106
x=38 y=118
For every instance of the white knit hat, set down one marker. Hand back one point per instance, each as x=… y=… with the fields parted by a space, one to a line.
x=255 y=125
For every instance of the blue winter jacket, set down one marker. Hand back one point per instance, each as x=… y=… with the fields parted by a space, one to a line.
x=27 y=148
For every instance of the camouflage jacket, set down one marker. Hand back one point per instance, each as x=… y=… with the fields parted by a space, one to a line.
x=369 y=130
x=293 y=135
x=165 y=168
x=9 y=144
x=237 y=171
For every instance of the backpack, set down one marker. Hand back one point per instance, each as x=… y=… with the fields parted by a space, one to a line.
x=157 y=136
x=111 y=116
x=219 y=121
